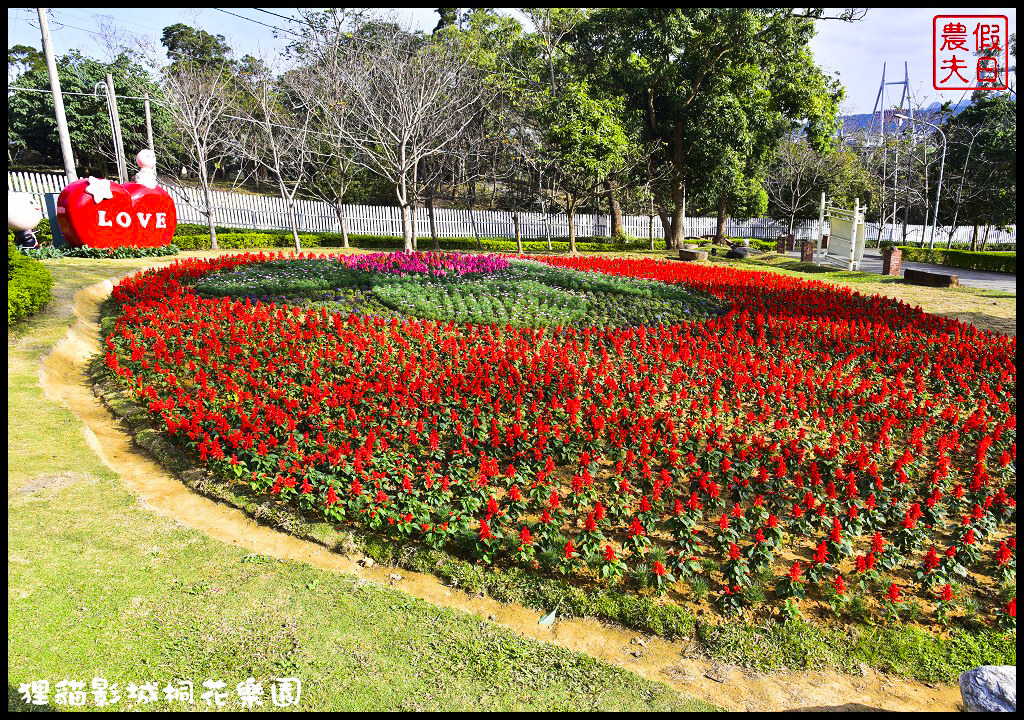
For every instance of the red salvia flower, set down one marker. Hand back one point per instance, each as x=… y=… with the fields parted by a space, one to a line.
x=947 y=593
x=839 y=585
x=894 y=593
x=553 y=501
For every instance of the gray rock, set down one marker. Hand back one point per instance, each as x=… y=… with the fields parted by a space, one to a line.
x=990 y=688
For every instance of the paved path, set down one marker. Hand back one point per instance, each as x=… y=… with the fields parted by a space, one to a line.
x=872 y=263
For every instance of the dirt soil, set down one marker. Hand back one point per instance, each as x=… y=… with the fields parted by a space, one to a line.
x=63 y=378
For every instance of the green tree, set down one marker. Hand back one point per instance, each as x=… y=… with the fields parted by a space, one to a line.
x=30 y=115
x=449 y=17
x=575 y=134
x=585 y=142
x=188 y=44
x=716 y=89
x=21 y=59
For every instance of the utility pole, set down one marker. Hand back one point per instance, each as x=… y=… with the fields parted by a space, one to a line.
x=149 y=123
x=58 y=100
x=115 y=121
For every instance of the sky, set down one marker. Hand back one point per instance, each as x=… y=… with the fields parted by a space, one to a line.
x=855 y=50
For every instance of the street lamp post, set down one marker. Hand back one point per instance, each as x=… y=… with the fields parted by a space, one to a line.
x=942 y=167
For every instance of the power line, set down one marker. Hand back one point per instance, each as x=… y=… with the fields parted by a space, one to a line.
x=92 y=95
x=283 y=17
x=96 y=18
x=165 y=102
x=272 y=27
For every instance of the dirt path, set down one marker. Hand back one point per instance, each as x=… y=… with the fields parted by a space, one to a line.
x=63 y=378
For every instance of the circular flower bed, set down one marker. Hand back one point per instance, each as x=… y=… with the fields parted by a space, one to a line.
x=807 y=440
x=463 y=288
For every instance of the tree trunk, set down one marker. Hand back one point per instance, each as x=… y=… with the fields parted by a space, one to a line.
x=984 y=240
x=406 y=227
x=209 y=210
x=519 y=235
x=650 y=229
x=720 y=231
x=544 y=209
x=339 y=205
x=677 y=228
x=974 y=239
x=571 y=212
x=415 y=229
x=675 y=233
x=339 y=209
x=614 y=208
x=292 y=221
x=666 y=226
x=430 y=215
x=472 y=216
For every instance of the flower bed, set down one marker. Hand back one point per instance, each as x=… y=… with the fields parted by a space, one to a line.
x=810 y=440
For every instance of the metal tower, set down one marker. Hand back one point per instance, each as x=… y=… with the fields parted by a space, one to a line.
x=880 y=127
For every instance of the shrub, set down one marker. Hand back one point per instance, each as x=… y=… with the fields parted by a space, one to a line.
x=252 y=239
x=28 y=285
x=114 y=253
x=1005 y=262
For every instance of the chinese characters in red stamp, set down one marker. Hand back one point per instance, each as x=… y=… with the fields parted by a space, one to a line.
x=970 y=52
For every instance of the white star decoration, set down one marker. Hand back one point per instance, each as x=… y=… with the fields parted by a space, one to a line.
x=99 y=188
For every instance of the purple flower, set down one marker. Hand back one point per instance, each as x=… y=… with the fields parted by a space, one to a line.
x=423 y=263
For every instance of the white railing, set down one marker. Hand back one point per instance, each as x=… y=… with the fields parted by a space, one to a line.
x=242 y=210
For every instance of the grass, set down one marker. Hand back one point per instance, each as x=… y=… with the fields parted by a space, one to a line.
x=99 y=586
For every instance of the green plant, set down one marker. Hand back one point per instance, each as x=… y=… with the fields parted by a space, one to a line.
x=699 y=588
x=111 y=253
x=29 y=285
x=1005 y=262
x=857 y=608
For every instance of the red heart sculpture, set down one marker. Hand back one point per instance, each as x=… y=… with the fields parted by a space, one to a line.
x=132 y=215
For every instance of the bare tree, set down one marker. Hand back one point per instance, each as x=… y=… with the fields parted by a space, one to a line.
x=325 y=52
x=795 y=180
x=276 y=132
x=411 y=101
x=198 y=98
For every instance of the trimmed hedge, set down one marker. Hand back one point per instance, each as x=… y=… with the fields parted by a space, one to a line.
x=1004 y=262
x=196 y=237
x=29 y=285
x=254 y=239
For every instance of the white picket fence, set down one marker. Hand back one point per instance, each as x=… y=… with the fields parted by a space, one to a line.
x=243 y=210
